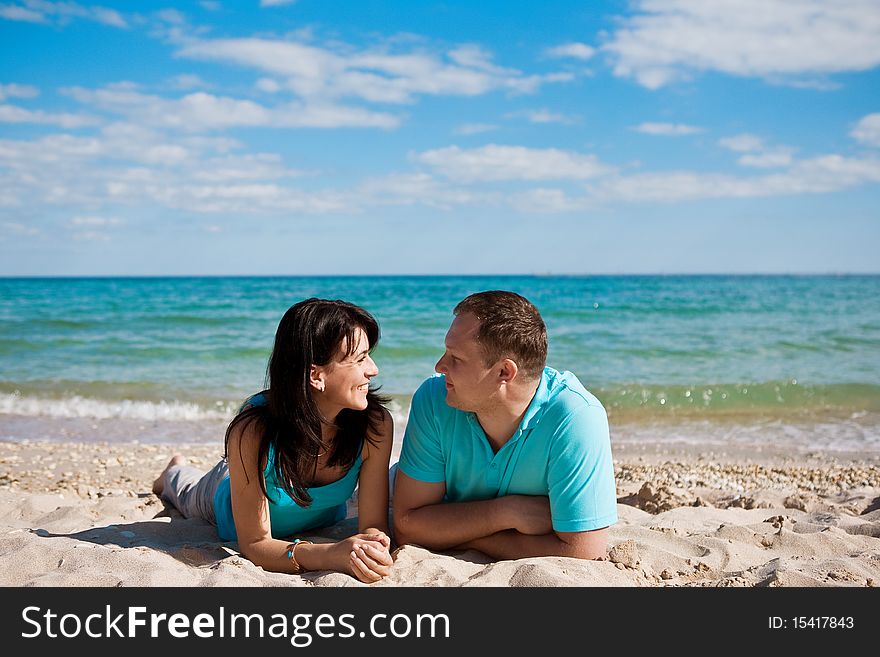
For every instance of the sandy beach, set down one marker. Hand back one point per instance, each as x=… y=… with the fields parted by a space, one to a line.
x=82 y=514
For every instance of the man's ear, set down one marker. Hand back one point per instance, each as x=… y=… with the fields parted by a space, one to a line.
x=316 y=378
x=508 y=370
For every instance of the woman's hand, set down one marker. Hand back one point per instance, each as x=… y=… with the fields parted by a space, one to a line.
x=366 y=556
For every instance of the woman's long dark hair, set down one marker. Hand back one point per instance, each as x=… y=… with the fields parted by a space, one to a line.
x=311 y=332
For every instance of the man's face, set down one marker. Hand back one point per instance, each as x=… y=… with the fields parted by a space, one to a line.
x=470 y=384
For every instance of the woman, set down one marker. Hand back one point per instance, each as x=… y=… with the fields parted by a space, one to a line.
x=295 y=451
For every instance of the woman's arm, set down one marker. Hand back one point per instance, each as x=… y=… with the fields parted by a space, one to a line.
x=250 y=511
x=373 y=480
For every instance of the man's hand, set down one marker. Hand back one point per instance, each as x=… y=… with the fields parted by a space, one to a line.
x=528 y=514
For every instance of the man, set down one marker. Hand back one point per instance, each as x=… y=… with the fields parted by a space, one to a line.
x=502 y=454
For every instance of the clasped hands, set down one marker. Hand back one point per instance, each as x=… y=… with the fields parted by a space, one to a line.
x=366 y=556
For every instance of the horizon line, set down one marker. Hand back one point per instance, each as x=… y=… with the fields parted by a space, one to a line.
x=523 y=275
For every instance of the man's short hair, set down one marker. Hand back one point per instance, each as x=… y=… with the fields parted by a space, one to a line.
x=510 y=327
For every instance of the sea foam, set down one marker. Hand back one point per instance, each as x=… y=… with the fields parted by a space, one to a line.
x=83 y=407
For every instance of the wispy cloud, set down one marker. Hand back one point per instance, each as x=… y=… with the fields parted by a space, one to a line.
x=268 y=85
x=133 y=166
x=667 y=129
x=498 y=163
x=14 y=114
x=867 y=130
x=824 y=174
x=420 y=189
x=18 y=229
x=742 y=143
x=374 y=75
x=18 y=91
x=94 y=222
x=93 y=228
x=474 y=128
x=42 y=11
x=756 y=153
x=574 y=50
x=543 y=116
x=188 y=81
x=276 y=3
x=671 y=40
x=200 y=111
x=543 y=200
x=19 y=13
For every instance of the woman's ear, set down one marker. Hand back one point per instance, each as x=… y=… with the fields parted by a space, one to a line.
x=316 y=378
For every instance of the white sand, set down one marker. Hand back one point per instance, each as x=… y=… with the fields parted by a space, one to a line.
x=96 y=524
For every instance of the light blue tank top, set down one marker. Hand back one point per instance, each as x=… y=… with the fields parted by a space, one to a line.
x=285 y=515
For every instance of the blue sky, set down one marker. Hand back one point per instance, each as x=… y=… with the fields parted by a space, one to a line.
x=307 y=137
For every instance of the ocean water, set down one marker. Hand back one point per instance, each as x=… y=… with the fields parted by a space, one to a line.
x=703 y=358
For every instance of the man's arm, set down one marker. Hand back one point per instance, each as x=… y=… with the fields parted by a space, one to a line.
x=421 y=516
x=512 y=544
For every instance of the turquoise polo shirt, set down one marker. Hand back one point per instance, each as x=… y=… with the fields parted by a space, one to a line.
x=561 y=449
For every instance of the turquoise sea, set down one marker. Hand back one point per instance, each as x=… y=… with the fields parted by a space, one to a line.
x=775 y=358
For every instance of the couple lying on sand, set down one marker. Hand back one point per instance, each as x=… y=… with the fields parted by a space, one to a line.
x=501 y=454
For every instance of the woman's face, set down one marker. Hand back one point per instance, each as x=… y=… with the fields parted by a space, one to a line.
x=347 y=381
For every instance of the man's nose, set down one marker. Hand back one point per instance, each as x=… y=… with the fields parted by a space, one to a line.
x=440 y=367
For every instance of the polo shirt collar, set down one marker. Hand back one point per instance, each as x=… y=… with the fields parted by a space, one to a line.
x=538 y=404
x=534 y=411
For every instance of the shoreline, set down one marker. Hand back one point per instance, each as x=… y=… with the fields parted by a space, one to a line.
x=35 y=466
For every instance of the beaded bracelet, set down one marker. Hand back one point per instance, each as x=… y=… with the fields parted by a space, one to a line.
x=291 y=554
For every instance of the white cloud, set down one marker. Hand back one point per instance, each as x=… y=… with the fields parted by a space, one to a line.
x=497 y=163
x=42 y=11
x=543 y=116
x=13 y=114
x=757 y=154
x=543 y=200
x=667 y=129
x=410 y=189
x=17 y=13
x=188 y=81
x=474 y=56
x=92 y=221
x=200 y=111
x=276 y=3
x=18 y=91
x=867 y=130
x=576 y=50
x=474 y=128
x=670 y=40
x=268 y=85
x=171 y=16
x=131 y=165
x=374 y=75
x=743 y=143
x=780 y=157
x=824 y=174
x=248 y=199
x=15 y=228
x=91 y=236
